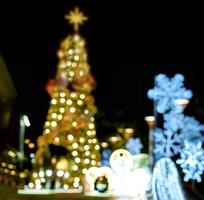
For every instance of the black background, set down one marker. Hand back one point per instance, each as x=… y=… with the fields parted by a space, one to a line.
x=127 y=46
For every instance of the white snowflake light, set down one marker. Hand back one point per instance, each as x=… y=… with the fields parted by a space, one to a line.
x=167 y=91
x=188 y=127
x=134 y=146
x=192 y=161
x=166 y=143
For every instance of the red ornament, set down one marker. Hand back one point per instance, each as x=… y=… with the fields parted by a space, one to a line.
x=51 y=85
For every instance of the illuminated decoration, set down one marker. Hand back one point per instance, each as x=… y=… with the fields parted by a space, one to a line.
x=70 y=120
x=105 y=157
x=121 y=161
x=124 y=179
x=188 y=127
x=192 y=161
x=134 y=145
x=166 y=181
x=167 y=91
x=167 y=143
x=76 y=18
x=170 y=98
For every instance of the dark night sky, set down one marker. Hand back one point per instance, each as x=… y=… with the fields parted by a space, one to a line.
x=127 y=45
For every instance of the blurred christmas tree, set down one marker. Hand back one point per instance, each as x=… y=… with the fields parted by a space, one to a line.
x=70 y=120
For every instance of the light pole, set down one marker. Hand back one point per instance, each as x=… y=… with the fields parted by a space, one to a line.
x=24 y=122
x=150 y=120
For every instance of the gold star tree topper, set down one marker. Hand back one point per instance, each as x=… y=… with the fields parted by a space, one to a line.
x=76 y=18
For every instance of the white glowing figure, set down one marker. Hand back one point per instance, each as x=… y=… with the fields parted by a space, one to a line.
x=134 y=145
x=167 y=91
x=166 y=181
x=166 y=143
x=192 y=161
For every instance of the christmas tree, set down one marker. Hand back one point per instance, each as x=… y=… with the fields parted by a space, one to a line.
x=70 y=120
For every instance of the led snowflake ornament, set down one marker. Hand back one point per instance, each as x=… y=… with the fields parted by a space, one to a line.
x=188 y=127
x=134 y=146
x=166 y=143
x=192 y=161
x=167 y=91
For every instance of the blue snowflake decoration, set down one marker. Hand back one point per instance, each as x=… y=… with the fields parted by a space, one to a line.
x=134 y=146
x=105 y=157
x=188 y=127
x=167 y=91
x=192 y=161
x=166 y=143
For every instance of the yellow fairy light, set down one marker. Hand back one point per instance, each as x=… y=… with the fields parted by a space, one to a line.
x=70 y=137
x=53 y=123
x=69 y=102
x=93 y=156
x=89 y=141
x=62 y=100
x=74 y=124
x=69 y=63
x=91 y=126
x=72 y=109
x=89 y=133
x=76 y=179
x=75 y=167
x=93 y=162
x=79 y=102
x=76 y=57
x=81 y=140
x=86 y=111
x=74 y=153
x=86 y=147
x=31 y=185
x=82 y=96
x=47 y=123
x=47 y=130
x=94 y=140
x=62 y=110
x=93 y=132
x=31 y=145
x=97 y=147
x=87 y=153
x=77 y=160
x=75 y=145
x=53 y=101
x=81 y=72
x=76 y=18
x=54 y=115
x=66 y=187
x=37 y=181
x=62 y=94
x=104 y=144
x=66 y=175
x=59 y=117
x=26 y=141
x=73 y=94
x=10 y=166
x=13 y=172
x=70 y=51
x=92 y=119
x=71 y=73
x=35 y=175
x=86 y=161
x=74 y=64
x=57 y=139
x=84 y=171
x=22 y=175
x=76 y=184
